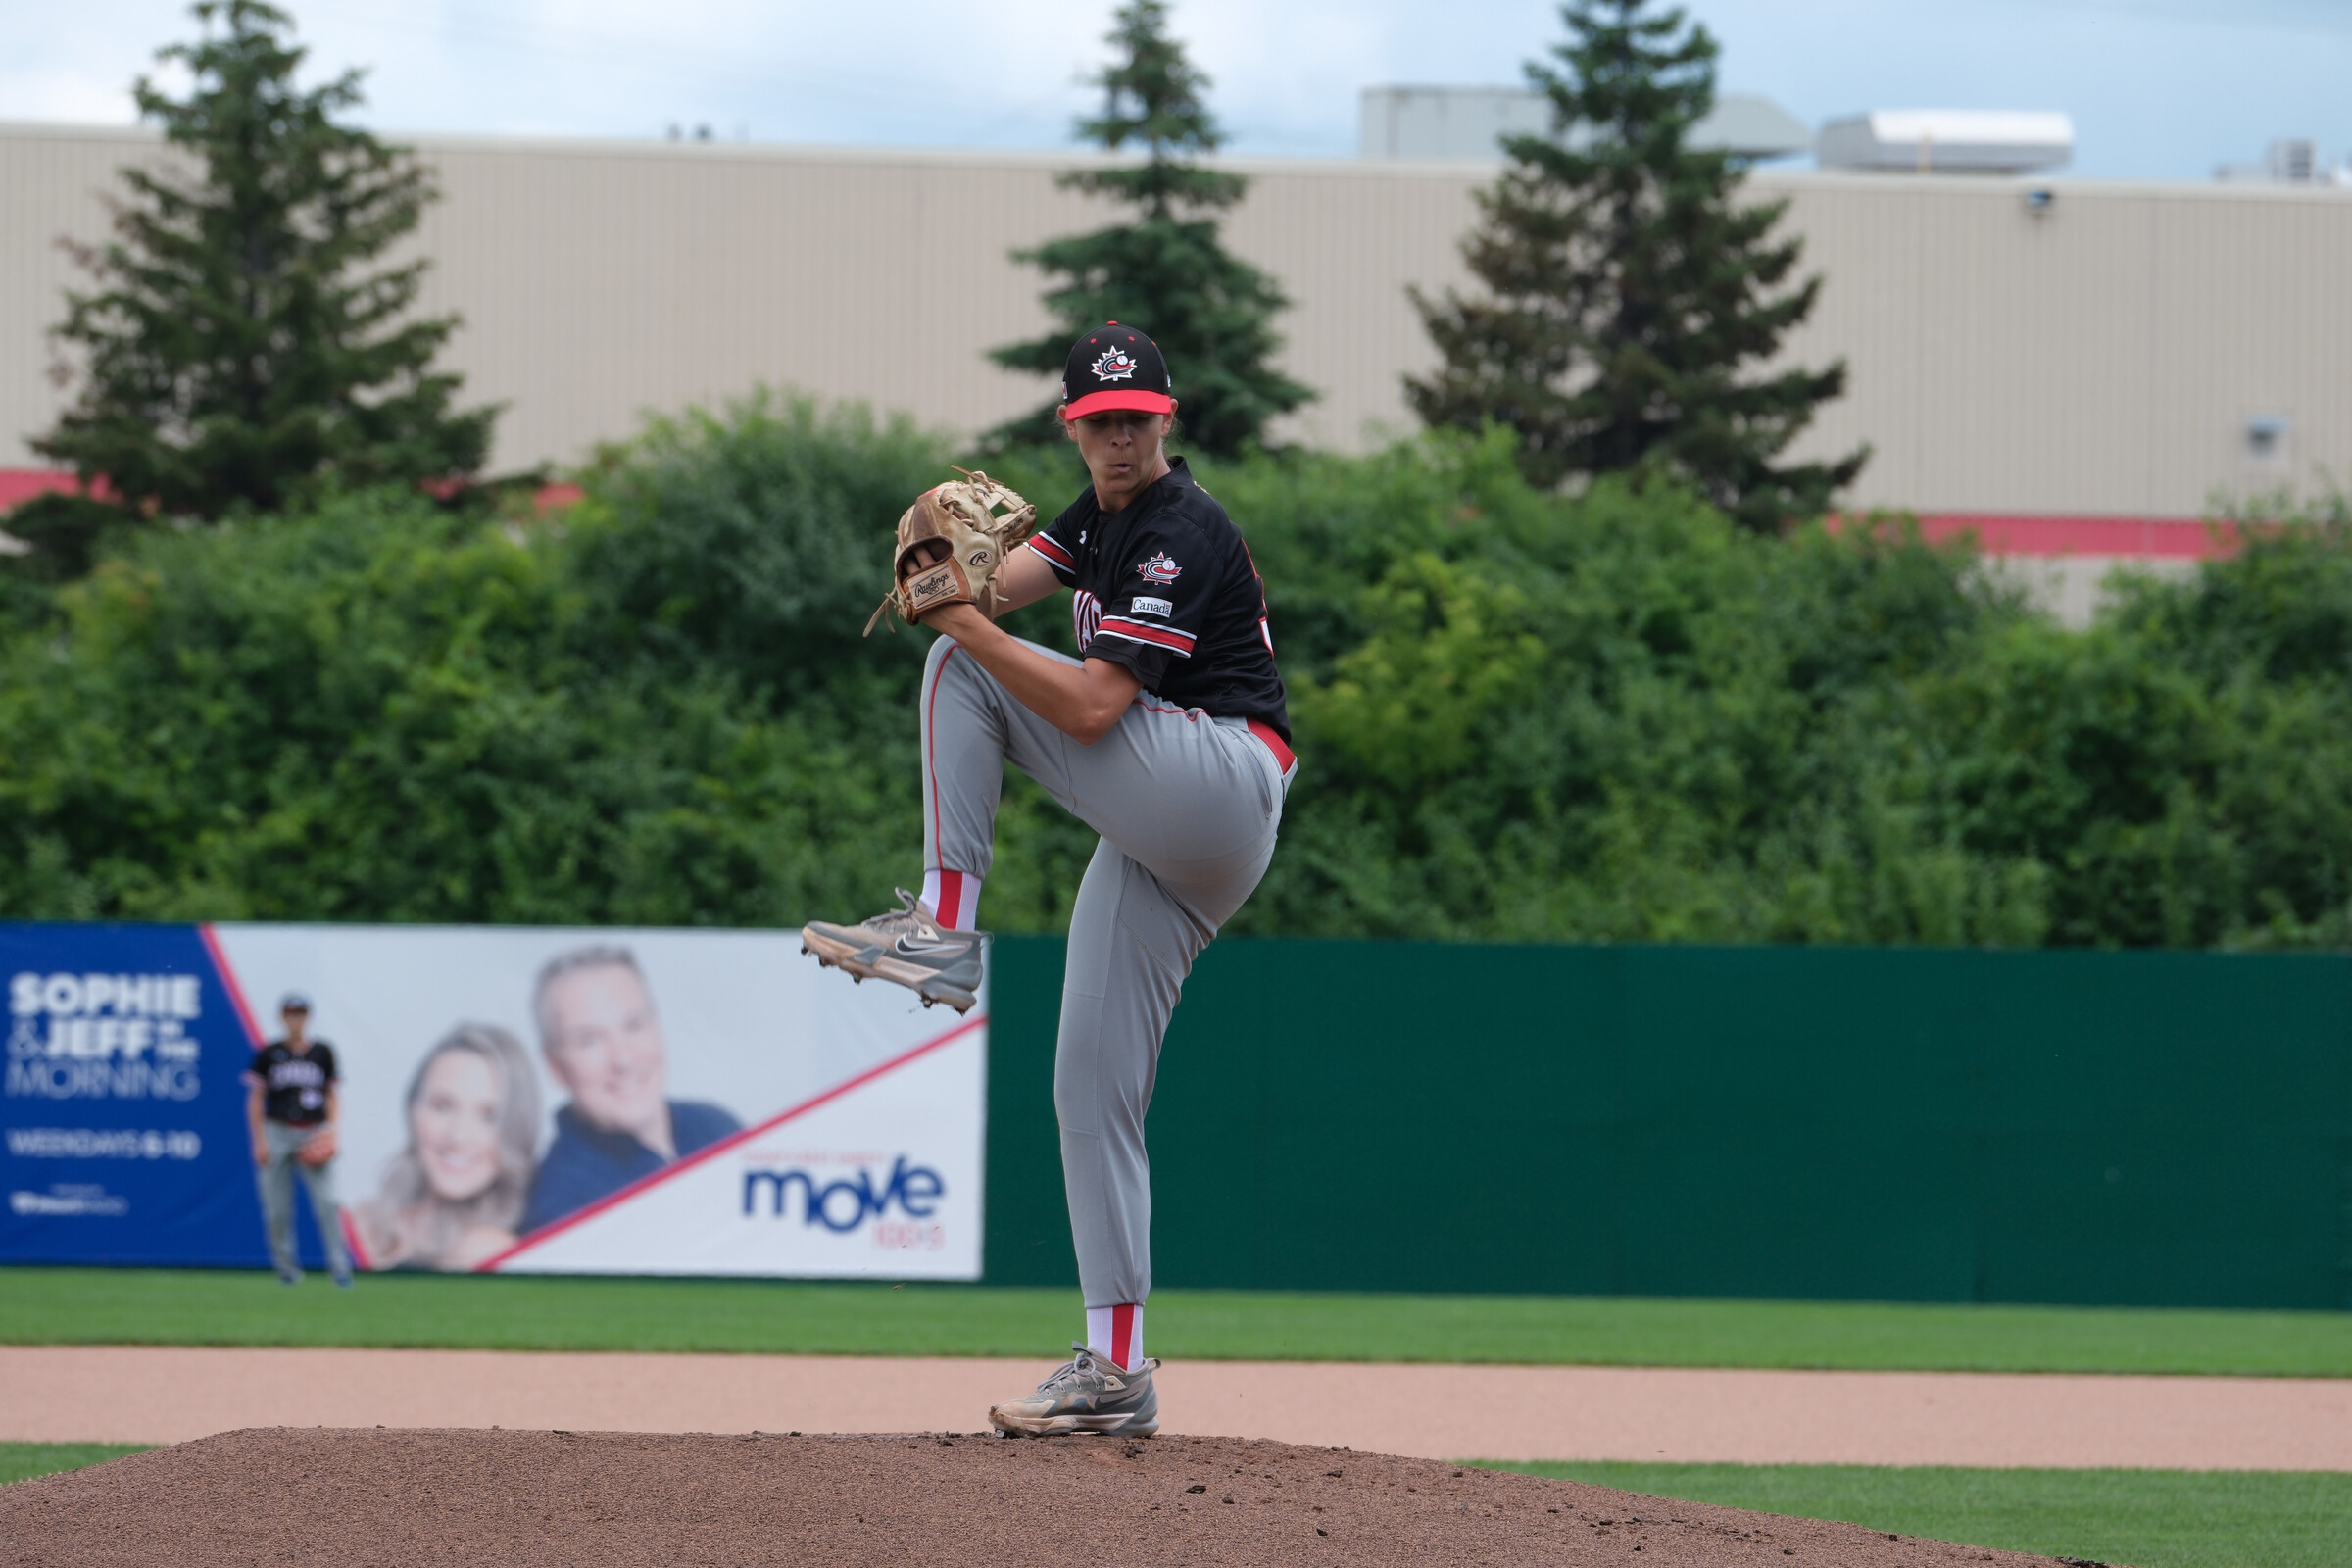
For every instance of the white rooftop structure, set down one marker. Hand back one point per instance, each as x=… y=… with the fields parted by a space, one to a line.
x=1462 y=125
x=2289 y=160
x=1948 y=142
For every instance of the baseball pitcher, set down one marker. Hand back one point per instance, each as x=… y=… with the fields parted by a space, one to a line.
x=1168 y=736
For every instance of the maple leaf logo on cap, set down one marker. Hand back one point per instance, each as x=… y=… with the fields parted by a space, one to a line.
x=1115 y=368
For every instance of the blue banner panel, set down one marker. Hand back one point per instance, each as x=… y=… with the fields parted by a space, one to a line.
x=124 y=1112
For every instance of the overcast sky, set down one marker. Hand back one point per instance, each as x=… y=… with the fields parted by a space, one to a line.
x=2159 y=88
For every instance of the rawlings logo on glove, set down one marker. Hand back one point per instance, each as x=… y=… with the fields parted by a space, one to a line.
x=952 y=541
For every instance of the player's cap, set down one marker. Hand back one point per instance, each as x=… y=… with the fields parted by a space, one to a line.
x=294 y=1002
x=1115 y=367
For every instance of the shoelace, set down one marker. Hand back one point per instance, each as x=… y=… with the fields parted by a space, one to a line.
x=909 y=919
x=1078 y=1366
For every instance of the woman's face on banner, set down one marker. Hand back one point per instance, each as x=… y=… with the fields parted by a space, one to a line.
x=455 y=1125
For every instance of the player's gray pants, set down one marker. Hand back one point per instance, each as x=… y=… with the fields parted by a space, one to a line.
x=1187 y=806
x=276 y=1182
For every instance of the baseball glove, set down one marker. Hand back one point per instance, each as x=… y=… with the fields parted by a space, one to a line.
x=978 y=521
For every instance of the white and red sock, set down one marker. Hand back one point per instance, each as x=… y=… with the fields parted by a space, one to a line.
x=1116 y=1333
x=953 y=896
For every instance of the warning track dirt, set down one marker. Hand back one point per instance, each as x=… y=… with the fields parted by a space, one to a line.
x=158 y=1394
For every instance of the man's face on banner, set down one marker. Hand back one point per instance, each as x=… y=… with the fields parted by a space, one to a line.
x=604 y=1043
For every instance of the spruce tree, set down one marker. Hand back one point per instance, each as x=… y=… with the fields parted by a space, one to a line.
x=238 y=351
x=1630 y=291
x=1165 y=273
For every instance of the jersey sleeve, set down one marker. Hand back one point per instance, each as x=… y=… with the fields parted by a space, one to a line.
x=1052 y=544
x=1153 y=611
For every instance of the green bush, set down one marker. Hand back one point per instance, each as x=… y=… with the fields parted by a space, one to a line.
x=1615 y=718
x=2184 y=768
x=378 y=712
x=1521 y=715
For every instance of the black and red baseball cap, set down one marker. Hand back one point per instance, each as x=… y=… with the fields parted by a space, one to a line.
x=1115 y=367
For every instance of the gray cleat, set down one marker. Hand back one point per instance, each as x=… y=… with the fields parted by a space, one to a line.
x=1086 y=1394
x=906 y=946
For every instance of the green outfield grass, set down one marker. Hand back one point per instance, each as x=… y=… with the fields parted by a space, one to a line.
x=22 y=1462
x=146 y=1306
x=2146 y=1518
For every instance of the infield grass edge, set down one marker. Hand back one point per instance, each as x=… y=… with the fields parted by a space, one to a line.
x=161 y=1306
x=2141 y=1518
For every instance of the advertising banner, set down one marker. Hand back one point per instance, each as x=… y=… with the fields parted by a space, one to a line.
x=510 y=1099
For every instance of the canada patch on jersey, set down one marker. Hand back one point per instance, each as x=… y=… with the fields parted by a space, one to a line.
x=1161 y=568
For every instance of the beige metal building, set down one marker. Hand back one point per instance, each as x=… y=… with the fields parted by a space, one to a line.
x=2115 y=350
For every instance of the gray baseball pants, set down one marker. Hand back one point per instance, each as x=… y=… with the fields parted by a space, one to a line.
x=1187 y=806
x=276 y=1182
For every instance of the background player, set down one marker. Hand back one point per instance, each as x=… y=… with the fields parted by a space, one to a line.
x=293 y=1109
x=1170 y=738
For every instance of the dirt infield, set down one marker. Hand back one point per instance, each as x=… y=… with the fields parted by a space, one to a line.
x=151 y=1393
x=404 y=1500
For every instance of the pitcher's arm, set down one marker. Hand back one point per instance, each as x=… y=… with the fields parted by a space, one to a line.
x=1023 y=579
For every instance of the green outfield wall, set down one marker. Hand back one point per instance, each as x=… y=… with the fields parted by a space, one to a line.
x=1896 y=1124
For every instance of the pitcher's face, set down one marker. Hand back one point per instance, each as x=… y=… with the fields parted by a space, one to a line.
x=1122 y=451
x=604 y=1043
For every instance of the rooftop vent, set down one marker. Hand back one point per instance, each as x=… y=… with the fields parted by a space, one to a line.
x=1947 y=141
x=1461 y=125
x=2288 y=161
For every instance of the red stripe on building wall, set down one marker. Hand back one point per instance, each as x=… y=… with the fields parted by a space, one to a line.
x=2055 y=535
x=2000 y=533
x=20 y=485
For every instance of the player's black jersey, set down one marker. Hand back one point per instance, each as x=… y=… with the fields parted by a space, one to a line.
x=1166 y=588
x=294 y=1084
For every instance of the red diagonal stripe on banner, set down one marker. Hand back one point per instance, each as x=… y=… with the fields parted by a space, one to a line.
x=228 y=983
x=557 y=1227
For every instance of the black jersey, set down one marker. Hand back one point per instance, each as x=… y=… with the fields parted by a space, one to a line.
x=294 y=1085
x=1166 y=588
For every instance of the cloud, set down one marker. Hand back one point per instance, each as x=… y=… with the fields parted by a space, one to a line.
x=2158 y=88
x=72 y=97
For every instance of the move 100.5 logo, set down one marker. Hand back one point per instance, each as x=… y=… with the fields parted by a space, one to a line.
x=846 y=1203
x=103 y=1036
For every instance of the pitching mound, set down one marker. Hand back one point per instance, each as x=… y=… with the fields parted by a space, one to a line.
x=404 y=1498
